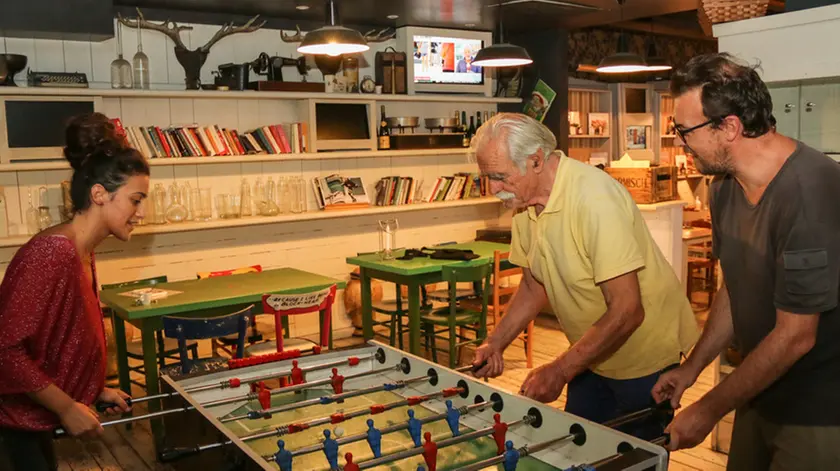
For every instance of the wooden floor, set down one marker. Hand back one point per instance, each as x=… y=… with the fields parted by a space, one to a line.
x=132 y=449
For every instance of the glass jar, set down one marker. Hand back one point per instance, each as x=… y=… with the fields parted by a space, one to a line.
x=245 y=198
x=387 y=238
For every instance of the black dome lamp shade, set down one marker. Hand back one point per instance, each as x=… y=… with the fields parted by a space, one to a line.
x=623 y=61
x=655 y=62
x=502 y=54
x=333 y=39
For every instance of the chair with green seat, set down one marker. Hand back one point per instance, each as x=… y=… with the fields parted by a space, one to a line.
x=447 y=319
x=395 y=309
x=442 y=295
x=166 y=347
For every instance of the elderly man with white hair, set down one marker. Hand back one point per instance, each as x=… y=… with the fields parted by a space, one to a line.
x=585 y=249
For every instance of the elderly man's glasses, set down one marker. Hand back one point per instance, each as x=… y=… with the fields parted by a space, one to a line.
x=682 y=131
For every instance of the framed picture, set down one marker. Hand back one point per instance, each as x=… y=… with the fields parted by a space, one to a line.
x=541 y=99
x=637 y=137
x=599 y=124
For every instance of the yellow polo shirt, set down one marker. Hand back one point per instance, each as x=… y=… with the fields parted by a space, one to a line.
x=589 y=232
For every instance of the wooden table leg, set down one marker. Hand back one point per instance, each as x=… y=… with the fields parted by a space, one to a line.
x=367 y=305
x=122 y=353
x=414 y=318
x=150 y=366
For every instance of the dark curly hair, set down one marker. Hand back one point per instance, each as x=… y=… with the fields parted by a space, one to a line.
x=98 y=154
x=728 y=89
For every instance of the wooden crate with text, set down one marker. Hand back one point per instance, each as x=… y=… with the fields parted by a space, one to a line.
x=648 y=185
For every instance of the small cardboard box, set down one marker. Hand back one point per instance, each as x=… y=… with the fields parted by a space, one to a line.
x=648 y=185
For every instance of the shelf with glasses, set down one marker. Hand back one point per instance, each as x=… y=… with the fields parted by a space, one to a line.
x=168 y=161
x=16 y=241
x=247 y=95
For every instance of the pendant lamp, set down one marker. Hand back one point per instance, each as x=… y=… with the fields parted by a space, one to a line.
x=623 y=61
x=502 y=54
x=655 y=63
x=333 y=39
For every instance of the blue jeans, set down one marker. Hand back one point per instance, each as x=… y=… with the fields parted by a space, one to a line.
x=599 y=399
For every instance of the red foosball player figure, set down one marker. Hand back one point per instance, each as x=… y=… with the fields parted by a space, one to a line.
x=264 y=396
x=337 y=381
x=499 y=431
x=297 y=373
x=430 y=452
x=350 y=466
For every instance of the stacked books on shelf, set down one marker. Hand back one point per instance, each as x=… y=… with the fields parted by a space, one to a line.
x=335 y=192
x=209 y=141
x=395 y=191
x=459 y=186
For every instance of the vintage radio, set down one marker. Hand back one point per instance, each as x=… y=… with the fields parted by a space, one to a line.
x=648 y=185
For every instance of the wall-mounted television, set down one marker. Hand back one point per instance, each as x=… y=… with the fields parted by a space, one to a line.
x=439 y=60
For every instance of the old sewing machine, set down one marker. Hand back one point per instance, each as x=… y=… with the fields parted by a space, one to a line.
x=376 y=407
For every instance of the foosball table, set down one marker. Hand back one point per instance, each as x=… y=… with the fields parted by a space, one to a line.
x=375 y=407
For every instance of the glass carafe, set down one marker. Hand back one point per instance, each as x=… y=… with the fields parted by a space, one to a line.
x=160 y=204
x=259 y=196
x=245 y=198
x=141 y=64
x=270 y=204
x=120 y=68
x=32 y=225
x=187 y=201
x=176 y=212
x=387 y=238
x=206 y=199
x=300 y=196
x=44 y=217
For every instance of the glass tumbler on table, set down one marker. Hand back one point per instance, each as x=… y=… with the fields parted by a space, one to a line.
x=387 y=238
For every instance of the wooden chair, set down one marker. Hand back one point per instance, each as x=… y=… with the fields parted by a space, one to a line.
x=197 y=328
x=256 y=334
x=502 y=296
x=700 y=262
x=284 y=305
x=455 y=315
x=166 y=347
x=442 y=295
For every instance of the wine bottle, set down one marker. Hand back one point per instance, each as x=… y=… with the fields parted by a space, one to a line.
x=463 y=122
x=384 y=133
x=486 y=116
x=477 y=119
x=471 y=131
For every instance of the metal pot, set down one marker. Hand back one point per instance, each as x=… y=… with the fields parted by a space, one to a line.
x=10 y=64
x=403 y=121
x=440 y=123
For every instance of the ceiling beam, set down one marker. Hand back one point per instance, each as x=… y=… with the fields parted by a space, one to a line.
x=633 y=9
x=665 y=29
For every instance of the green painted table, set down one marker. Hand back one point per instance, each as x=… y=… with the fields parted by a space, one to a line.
x=413 y=274
x=207 y=297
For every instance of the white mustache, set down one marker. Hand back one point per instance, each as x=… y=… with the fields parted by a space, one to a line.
x=505 y=195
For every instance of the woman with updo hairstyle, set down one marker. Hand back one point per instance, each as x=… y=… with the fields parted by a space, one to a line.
x=52 y=337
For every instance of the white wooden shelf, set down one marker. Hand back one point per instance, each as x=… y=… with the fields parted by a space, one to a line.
x=246 y=95
x=167 y=161
x=17 y=241
x=588 y=136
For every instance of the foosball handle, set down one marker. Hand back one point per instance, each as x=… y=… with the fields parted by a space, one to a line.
x=664 y=440
x=478 y=367
x=174 y=454
x=103 y=406
x=59 y=433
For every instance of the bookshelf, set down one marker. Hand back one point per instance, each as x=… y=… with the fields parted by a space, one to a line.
x=175 y=161
x=169 y=228
x=249 y=95
x=585 y=98
x=667 y=146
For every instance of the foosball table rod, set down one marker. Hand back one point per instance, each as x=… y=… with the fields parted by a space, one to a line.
x=174 y=454
x=391 y=429
x=521 y=452
x=234 y=383
x=60 y=432
x=266 y=413
x=297 y=387
x=401 y=455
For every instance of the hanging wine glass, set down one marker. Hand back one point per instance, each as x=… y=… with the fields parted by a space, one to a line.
x=141 y=64
x=120 y=68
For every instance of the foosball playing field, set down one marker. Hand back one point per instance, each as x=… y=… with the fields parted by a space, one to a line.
x=376 y=407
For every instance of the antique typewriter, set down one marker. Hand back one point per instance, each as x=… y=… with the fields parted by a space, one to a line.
x=57 y=79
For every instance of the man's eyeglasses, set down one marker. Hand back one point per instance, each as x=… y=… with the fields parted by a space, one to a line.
x=682 y=132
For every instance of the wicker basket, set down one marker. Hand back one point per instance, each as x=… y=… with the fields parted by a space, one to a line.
x=722 y=11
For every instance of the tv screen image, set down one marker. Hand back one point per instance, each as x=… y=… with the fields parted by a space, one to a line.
x=447 y=60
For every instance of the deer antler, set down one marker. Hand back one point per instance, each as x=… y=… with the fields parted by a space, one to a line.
x=292 y=38
x=229 y=29
x=374 y=36
x=168 y=27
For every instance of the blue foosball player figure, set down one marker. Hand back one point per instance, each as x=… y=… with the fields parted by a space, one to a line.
x=452 y=418
x=331 y=450
x=414 y=427
x=420 y=467
x=283 y=457
x=511 y=456
x=374 y=438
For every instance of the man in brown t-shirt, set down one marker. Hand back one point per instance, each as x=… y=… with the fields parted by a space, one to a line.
x=776 y=231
